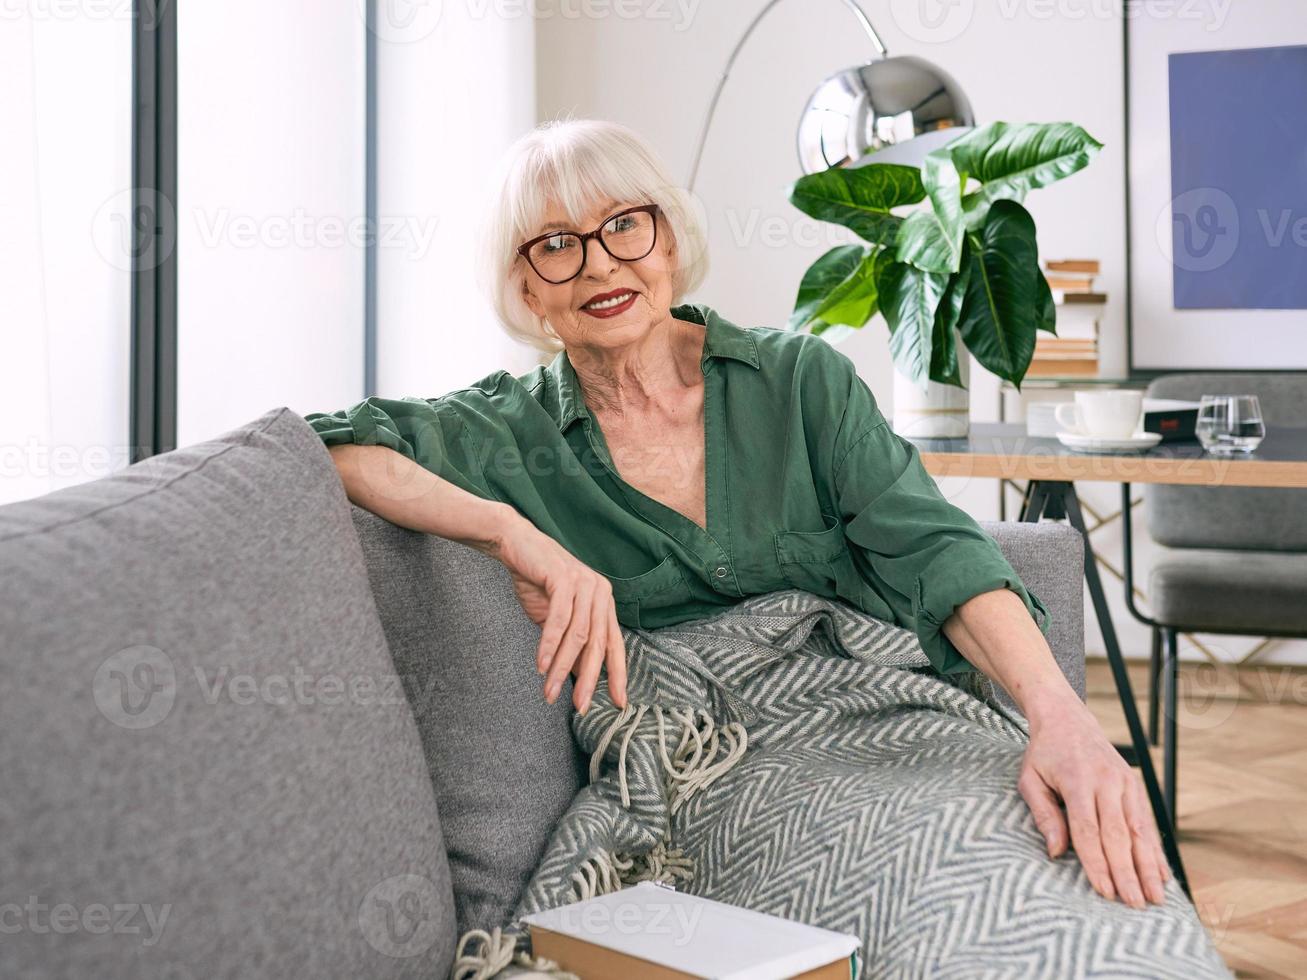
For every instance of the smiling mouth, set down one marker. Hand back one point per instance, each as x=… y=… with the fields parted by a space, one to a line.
x=610 y=303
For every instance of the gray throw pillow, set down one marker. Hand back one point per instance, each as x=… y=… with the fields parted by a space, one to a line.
x=503 y=762
x=209 y=769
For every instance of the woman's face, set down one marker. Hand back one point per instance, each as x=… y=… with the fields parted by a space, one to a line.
x=643 y=287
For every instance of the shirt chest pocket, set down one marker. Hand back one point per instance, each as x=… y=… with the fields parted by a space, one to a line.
x=820 y=562
x=639 y=598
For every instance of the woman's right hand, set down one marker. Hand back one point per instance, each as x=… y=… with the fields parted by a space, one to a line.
x=573 y=605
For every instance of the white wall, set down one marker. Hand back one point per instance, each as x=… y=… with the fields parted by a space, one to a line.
x=65 y=174
x=270 y=209
x=455 y=87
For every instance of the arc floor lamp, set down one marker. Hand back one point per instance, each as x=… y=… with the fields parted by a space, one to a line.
x=899 y=108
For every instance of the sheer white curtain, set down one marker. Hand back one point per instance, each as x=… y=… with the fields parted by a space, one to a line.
x=270 y=214
x=270 y=162
x=65 y=166
x=454 y=90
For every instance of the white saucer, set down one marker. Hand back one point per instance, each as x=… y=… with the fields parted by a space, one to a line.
x=1087 y=443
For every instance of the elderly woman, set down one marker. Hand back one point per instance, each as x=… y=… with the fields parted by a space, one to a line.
x=667 y=463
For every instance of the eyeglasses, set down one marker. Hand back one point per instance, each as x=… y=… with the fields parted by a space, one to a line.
x=627 y=236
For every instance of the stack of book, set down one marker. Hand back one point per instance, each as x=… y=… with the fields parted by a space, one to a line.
x=1074 y=351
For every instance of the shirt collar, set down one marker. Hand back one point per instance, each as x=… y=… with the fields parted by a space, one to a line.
x=724 y=339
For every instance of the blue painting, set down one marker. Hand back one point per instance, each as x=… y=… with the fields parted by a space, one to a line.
x=1239 y=178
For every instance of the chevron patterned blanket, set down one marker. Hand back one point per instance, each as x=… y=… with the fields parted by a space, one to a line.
x=796 y=756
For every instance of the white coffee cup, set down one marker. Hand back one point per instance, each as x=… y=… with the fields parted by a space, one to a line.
x=1111 y=414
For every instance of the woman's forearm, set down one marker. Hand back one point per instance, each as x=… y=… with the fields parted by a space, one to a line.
x=995 y=633
x=394 y=487
x=1069 y=763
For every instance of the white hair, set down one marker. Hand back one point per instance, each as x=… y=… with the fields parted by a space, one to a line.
x=577 y=164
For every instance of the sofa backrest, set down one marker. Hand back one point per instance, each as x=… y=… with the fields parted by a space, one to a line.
x=208 y=766
x=504 y=763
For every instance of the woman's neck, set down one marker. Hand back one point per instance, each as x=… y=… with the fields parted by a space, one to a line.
x=650 y=375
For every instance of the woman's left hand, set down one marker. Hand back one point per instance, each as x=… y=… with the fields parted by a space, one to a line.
x=1108 y=818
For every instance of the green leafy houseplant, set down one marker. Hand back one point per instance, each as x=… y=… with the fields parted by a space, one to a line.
x=968 y=260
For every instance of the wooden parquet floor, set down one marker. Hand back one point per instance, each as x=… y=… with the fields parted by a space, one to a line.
x=1242 y=784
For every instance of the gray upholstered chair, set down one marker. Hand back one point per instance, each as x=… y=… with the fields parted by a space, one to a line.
x=1236 y=557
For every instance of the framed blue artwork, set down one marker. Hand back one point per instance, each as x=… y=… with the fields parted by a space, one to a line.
x=1239 y=178
x=1216 y=186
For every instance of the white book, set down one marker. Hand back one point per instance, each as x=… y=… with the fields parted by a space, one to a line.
x=1080 y=322
x=695 y=936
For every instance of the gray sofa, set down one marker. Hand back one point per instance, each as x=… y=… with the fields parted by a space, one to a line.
x=251 y=730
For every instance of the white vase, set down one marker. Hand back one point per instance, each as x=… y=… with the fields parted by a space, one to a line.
x=938 y=411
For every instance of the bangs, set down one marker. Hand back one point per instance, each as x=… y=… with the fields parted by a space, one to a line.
x=576 y=176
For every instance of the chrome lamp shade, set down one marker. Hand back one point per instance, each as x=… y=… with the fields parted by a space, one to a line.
x=892 y=110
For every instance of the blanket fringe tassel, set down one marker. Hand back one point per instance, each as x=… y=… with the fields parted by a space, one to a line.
x=604 y=873
x=692 y=766
x=664 y=865
x=704 y=752
x=497 y=952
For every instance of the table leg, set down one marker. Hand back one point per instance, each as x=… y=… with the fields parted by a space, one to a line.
x=1169 y=733
x=1032 y=506
x=1154 y=683
x=1062 y=494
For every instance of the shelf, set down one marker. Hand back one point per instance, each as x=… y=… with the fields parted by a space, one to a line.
x=1063 y=381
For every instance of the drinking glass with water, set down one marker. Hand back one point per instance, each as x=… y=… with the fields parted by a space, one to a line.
x=1230 y=423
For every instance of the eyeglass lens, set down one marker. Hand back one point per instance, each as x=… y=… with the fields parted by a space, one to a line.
x=627 y=237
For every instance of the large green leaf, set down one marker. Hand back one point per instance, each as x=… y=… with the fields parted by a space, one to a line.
x=931 y=238
x=909 y=298
x=1002 y=305
x=822 y=277
x=853 y=301
x=944 y=346
x=1010 y=160
x=859 y=198
x=1047 y=308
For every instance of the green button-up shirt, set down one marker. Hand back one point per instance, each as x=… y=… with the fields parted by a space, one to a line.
x=807 y=487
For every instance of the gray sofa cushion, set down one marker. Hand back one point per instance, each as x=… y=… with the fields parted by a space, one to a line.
x=199 y=718
x=1230 y=591
x=503 y=762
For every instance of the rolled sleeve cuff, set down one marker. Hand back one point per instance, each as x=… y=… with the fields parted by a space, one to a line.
x=960 y=576
x=359 y=425
x=333 y=429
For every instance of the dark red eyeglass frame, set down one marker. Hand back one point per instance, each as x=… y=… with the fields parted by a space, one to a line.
x=652 y=209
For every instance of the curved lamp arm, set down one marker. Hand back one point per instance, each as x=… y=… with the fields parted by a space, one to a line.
x=730 y=62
